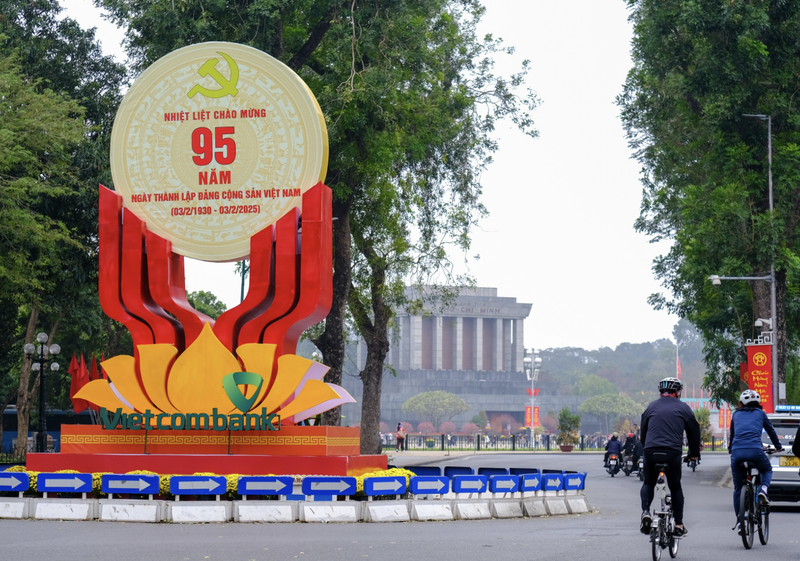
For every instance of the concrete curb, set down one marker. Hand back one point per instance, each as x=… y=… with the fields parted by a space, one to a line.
x=265 y=511
x=387 y=511
x=330 y=511
x=192 y=512
x=15 y=508
x=113 y=510
x=64 y=509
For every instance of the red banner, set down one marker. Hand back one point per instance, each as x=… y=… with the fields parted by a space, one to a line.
x=743 y=374
x=528 y=416
x=725 y=416
x=759 y=365
x=721 y=422
x=536 y=417
x=728 y=414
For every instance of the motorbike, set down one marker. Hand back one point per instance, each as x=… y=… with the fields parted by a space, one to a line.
x=613 y=464
x=641 y=469
x=627 y=465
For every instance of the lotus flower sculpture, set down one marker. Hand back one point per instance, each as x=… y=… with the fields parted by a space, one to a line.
x=206 y=376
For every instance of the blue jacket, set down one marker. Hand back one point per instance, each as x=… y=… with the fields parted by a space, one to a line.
x=747 y=424
x=614 y=447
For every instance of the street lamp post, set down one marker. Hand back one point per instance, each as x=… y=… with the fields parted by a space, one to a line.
x=532 y=371
x=716 y=280
x=772 y=297
x=40 y=356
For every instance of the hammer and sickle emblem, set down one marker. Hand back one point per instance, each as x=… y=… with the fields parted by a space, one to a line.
x=759 y=359
x=227 y=87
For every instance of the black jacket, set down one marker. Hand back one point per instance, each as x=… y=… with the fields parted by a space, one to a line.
x=663 y=424
x=614 y=446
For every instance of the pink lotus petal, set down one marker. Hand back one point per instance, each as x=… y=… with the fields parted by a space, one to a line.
x=325 y=405
x=316 y=371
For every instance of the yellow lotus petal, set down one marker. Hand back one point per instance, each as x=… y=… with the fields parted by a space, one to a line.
x=258 y=358
x=121 y=371
x=100 y=393
x=314 y=392
x=154 y=361
x=291 y=369
x=195 y=382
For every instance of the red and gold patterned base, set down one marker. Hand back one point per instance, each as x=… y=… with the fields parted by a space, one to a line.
x=289 y=441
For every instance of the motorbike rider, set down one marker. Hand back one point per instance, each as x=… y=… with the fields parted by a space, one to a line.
x=613 y=446
x=663 y=424
x=627 y=448
x=638 y=451
x=748 y=421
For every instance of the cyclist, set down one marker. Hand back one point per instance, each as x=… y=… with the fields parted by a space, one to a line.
x=744 y=444
x=663 y=424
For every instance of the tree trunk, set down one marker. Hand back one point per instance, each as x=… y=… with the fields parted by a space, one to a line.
x=780 y=331
x=24 y=395
x=376 y=335
x=331 y=342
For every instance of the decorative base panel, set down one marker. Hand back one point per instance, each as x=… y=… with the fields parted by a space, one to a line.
x=288 y=441
x=222 y=464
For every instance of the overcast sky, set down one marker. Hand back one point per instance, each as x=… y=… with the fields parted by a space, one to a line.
x=560 y=232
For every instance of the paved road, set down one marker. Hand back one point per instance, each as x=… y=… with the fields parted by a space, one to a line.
x=611 y=530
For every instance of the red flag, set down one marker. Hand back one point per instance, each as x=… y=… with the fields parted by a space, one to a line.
x=678 y=361
x=93 y=375
x=759 y=366
x=534 y=393
x=103 y=375
x=77 y=372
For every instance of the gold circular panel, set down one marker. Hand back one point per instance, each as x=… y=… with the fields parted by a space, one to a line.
x=213 y=143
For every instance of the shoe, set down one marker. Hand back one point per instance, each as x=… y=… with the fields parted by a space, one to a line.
x=763 y=497
x=738 y=528
x=644 y=525
x=680 y=531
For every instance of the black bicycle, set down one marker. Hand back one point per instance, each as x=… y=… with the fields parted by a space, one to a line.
x=752 y=512
x=662 y=530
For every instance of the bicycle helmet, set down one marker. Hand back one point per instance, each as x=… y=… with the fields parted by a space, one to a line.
x=750 y=396
x=670 y=385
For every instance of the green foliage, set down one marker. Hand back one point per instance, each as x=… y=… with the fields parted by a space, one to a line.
x=436 y=407
x=609 y=407
x=206 y=303
x=569 y=425
x=703 y=415
x=592 y=384
x=698 y=68
x=481 y=420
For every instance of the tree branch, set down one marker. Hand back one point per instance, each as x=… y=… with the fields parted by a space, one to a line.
x=315 y=38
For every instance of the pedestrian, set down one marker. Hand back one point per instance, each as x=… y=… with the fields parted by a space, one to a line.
x=401 y=438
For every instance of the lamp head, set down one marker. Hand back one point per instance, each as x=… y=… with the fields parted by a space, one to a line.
x=715 y=280
x=42 y=337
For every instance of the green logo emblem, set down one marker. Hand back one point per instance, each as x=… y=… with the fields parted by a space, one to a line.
x=227 y=87
x=231 y=383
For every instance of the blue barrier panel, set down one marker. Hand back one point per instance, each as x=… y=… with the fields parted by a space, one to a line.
x=492 y=471
x=552 y=482
x=504 y=483
x=574 y=481
x=384 y=485
x=452 y=471
x=265 y=485
x=425 y=470
x=530 y=482
x=522 y=471
x=198 y=485
x=14 y=481
x=430 y=485
x=64 y=483
x=313 y=486
x=470 y=483
x=136 y=484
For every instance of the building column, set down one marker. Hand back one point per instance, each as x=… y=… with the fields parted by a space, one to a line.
x=438 y=334
x=507 y=351
x=498 y=345
x=404 y=345
x=458 y=360
x=416 y=342
x=477 y=345
x=519 y=349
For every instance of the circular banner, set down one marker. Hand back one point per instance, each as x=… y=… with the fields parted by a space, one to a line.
x=213 y=143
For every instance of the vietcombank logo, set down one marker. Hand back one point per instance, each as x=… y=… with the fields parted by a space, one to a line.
x=203 y=421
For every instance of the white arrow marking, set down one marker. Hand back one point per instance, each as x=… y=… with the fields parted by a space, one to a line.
x=135 y=484
x=530 y=483
x=264 y=485
x=75 y=483
x=207 y=485
x=575 y=481
x=387 y=486
x=437 y=485
x=505 y=484
x=472 y=485
x=12 y=482
x=552 y=483
x=340 y=485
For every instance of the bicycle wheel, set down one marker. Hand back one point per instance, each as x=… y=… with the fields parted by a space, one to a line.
x=746 y=516
x=655 y=540
x=763 y=527
x=673 y=546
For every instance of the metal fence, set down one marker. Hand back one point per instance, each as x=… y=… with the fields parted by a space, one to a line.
x=512 y=443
